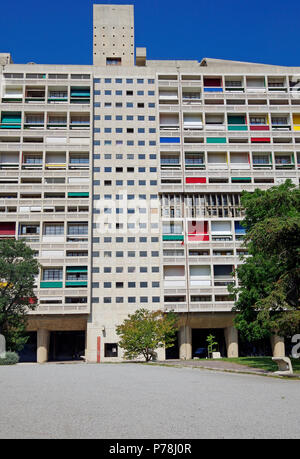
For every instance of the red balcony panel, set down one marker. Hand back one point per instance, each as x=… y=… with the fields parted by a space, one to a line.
x=260 y=139
x=195 y=179
x=197 y=227
x=213 y=82
x=259 y=128
x=7 y=229
x=198 y=237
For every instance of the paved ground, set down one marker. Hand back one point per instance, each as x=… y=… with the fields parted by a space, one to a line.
x=144 y=401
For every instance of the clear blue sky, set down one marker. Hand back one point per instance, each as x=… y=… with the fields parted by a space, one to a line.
x=60 y=31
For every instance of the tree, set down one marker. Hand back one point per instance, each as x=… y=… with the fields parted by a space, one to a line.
x=144 y=331
x=18 y=268
x=211 y=343
x=267 y=298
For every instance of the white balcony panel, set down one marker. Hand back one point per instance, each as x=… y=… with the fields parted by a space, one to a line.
x=221 y=228
x=78 y=180
x=54 y=239
x=52 y=254
x=56 y=140
x=79 y=140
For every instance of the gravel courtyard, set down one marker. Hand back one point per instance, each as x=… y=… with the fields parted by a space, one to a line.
x=137 y=401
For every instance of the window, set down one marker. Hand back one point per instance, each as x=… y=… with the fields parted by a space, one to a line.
x=52 y=274
x=257 y=120
x=111 y=349
x=77 y=228
x=113 y=61
x=53 y=229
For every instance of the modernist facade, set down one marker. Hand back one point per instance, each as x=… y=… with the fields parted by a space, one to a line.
x=125 y=177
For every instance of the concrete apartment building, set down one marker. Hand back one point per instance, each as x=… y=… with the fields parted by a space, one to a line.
x=125 y=178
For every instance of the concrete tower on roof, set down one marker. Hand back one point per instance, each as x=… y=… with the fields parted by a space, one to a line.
x=113 y=35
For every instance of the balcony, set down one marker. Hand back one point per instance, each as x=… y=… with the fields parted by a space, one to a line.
x=237 y=123
x=79 y=122
x=34 y=121
x=240 y=161
x=168 y=96
x=234 y=85
x=79 y=161
x=213 y=84
x=80 y=95
x=35 y=95
x=217 y=161
x=255 y=85
x=57 y=95
x=169 y=121
x=12 y=95
x=277 y=84
x=192 y=121
x=57 y=122
x=173 y=237
x=284 y=162
x=55 y=160
x=194 y=161
x=9 y=160
x=191 y=97
x=32 y=161
x=170 y=161
x=51 y=284
x=11 y=120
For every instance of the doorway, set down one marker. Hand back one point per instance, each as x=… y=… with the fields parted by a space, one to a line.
x=66 y=345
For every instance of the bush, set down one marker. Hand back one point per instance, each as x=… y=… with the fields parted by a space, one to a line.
x=11 y=358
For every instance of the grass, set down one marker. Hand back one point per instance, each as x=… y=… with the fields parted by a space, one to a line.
x=262 y=363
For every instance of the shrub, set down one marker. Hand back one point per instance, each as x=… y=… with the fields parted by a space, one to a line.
x=11 y=358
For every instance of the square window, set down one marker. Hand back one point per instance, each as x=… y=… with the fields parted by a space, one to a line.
x=111 y=349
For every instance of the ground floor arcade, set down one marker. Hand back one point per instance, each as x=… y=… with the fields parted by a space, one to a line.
x=63 y=338
x=55 y=338
x=195 y=327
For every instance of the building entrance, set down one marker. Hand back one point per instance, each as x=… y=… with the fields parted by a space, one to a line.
x=66 y=345
x=29 y=351
x=199 y=336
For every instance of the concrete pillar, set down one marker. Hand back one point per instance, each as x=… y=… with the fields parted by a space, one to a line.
x=185 y=342
x=278 y=347
x=231 y=338
x=160 y=353
x=43 y=340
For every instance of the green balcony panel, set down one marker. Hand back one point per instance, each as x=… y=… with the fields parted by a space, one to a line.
x=80 y=94
x=78 y=194
x=49 y=284
x=216 y=140
x=241 y=179
x=173 y=237
x=76 y=269
x=11 y=119
x=236 y=119
x=238 y=128
x=76 y=283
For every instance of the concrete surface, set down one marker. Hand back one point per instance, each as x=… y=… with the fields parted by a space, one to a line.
x=144 y=401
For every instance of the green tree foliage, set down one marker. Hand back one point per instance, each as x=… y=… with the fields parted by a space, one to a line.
x=211 y=343
x=267 y=299
x=144 y=331
x=17 y=270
